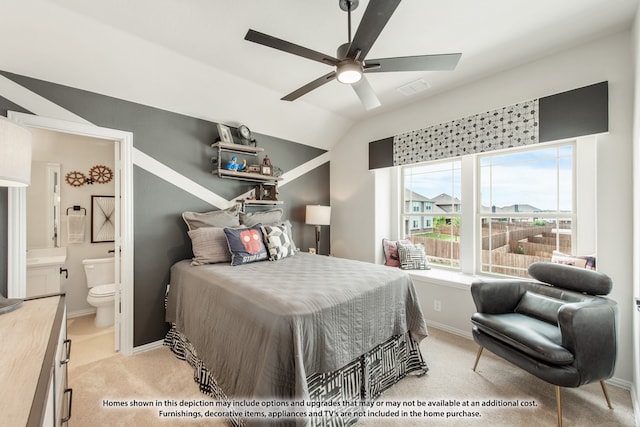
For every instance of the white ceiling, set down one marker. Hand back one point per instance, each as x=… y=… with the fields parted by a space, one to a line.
x=190 y=56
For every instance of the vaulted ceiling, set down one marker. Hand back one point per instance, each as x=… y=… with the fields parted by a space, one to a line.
x=190 y=56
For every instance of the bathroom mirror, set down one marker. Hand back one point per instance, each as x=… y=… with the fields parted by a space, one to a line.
x=43 y=206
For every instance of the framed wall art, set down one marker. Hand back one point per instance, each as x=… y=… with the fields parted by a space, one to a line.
x=102 y=219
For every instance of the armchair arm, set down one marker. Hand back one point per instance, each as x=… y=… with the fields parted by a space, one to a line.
x=496 y=296
x=589 y=331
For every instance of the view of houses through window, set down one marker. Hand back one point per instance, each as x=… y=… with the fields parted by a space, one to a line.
x=525 y=209
x=432 y=209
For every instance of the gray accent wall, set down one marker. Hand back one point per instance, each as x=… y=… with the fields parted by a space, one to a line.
x=181 y=143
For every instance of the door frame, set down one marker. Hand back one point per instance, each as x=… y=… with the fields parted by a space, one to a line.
x=17 y=247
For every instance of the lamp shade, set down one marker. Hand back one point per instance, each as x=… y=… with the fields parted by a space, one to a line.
x=15 y=154
x=348 y=72
x=318 y=215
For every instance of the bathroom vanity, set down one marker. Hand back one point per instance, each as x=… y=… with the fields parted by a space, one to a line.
x=33 y=364
x=44 y=267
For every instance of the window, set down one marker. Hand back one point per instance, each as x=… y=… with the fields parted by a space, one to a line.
x=436 y=186
x=524 y=211
x=526 y=208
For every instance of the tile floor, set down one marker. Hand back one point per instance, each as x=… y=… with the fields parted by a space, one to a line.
x=88 y=342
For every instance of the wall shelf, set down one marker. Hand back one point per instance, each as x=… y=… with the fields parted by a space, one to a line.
x=261 y=202
x=225 y=147
x=246 y=176
x=237 y=148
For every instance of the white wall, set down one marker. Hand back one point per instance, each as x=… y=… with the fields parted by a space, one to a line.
x=355 y=234
x=636 y=216
x=76 y=153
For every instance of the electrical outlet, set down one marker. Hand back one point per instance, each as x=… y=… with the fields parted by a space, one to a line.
x=437 y=305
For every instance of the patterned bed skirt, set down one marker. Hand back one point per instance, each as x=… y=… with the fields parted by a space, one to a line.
x=364 y=379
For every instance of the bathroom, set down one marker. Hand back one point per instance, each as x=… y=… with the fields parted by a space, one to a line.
x=72 y=169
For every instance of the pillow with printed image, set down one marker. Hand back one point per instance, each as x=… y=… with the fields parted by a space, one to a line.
x=246 y=245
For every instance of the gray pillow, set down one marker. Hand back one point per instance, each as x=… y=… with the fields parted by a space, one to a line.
x=222 y=218
x=540 y=306
x=209 y=246
x=287 y=226
x=277 y=241
x=261 y=217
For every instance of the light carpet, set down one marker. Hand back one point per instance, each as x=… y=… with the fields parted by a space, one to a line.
x=156 y=376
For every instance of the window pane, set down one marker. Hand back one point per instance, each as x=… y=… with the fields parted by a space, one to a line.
x=441 y=241
x=530 y=181
x=526 y=203
x=509 y=246
x=431 y=208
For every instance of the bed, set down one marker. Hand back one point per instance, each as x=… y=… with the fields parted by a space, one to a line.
x=306 y=327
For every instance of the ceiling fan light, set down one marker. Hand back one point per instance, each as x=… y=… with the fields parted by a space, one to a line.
x=348 y=72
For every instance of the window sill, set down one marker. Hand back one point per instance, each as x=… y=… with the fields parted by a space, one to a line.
x=443 y=277
x=452 y=278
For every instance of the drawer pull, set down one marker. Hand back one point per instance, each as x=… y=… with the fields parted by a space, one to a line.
x=67 y=347
x=68 y=392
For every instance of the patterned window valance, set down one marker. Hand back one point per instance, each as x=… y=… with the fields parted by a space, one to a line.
x=578 y=112
x=512 y=126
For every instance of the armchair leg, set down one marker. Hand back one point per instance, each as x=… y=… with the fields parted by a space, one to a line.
x=606 y=395
x=559 y=405
x=475 y=365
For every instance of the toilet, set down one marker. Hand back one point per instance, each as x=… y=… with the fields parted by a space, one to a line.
x=100 y=278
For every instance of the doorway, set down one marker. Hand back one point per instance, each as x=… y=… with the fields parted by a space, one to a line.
x=123 y=176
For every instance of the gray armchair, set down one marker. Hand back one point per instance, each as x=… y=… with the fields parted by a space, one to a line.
x=557 y=329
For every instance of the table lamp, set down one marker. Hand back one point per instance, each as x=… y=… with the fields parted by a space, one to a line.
x=318 y=215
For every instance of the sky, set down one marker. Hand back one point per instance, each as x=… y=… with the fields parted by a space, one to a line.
x=527 y=177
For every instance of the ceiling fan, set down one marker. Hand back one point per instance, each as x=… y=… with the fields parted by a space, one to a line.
x=349 y=62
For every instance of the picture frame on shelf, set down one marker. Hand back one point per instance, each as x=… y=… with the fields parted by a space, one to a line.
x=225 y=133
x=266 y=170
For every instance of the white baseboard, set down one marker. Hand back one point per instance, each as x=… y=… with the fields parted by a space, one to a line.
x=80 y=313
x=447 y=328
x=635 y=404
x=148 y=347
x=627 y=385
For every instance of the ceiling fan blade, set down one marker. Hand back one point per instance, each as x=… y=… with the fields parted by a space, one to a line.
x=366 y=94
x=373 y=21
x=285 y=46
x=309 y=87
x=444 y=62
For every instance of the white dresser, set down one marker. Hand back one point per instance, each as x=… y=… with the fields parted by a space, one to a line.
x=33 y=364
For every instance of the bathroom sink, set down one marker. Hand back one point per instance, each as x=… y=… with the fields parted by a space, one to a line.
x=46 y=257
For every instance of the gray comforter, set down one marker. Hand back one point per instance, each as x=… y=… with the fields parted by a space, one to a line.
x=262 y=328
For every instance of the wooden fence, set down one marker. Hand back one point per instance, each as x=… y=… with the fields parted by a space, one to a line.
x=502 y=262
x=509 y=250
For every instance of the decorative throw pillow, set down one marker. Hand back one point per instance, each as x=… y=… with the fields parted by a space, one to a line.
x=209 y=246
x=390 y=249
x=246 y=245
x=287 y=226
x=262 y=217
x=222 y=218
x=412 y=256
x=278 y=243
